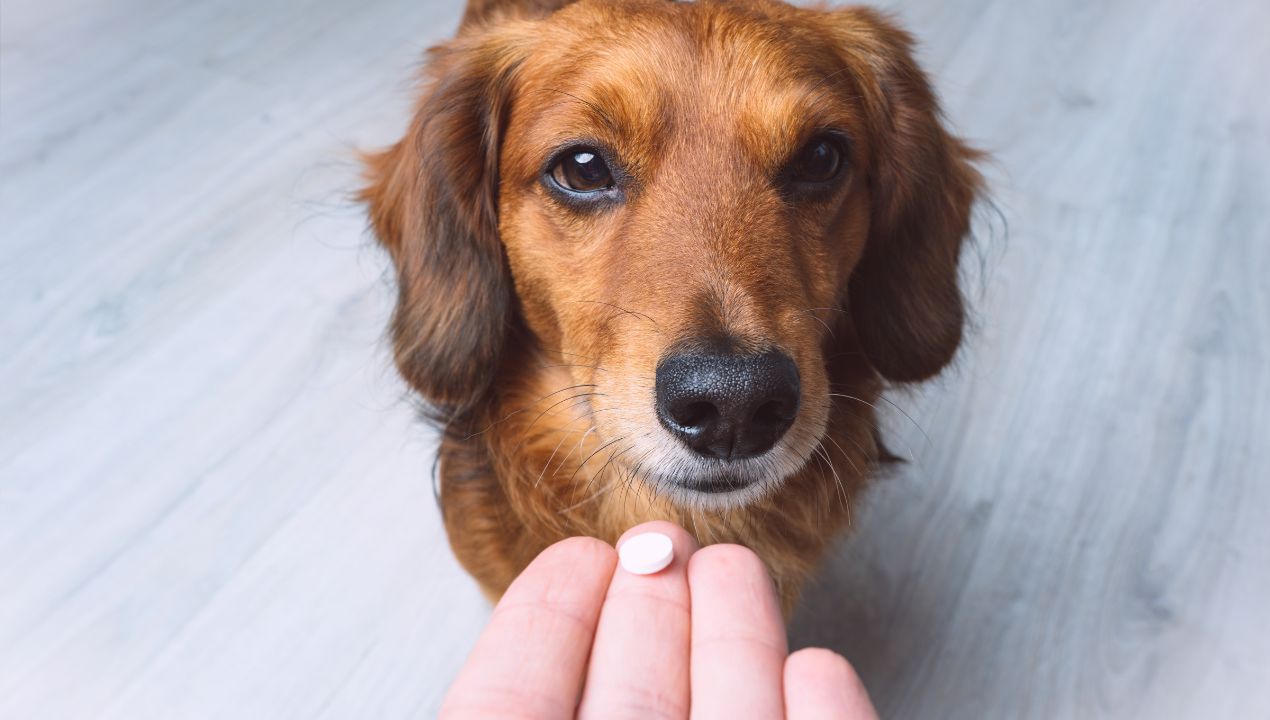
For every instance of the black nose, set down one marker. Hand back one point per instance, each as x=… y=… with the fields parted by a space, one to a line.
x=728 y=406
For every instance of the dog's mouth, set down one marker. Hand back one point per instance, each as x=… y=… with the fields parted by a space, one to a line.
x=671 y=470
x=715 y=485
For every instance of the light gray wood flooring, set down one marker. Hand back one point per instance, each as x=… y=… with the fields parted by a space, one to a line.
x=215 y=501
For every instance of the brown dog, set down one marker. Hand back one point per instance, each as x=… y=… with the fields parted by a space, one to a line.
x=657 y=260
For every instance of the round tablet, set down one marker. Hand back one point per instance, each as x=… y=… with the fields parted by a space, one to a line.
x=646 y=553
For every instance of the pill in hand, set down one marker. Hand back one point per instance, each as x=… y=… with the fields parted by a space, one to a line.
x=646 y=553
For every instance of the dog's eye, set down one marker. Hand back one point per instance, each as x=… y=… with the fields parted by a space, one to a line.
x=818 y=162
x=582 y=171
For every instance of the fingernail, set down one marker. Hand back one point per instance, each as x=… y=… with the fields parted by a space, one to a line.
x=646 y=553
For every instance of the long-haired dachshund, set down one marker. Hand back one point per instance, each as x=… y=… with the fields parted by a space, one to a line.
x=658 y=260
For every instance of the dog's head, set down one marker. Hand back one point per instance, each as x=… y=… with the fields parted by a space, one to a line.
x=697 y=205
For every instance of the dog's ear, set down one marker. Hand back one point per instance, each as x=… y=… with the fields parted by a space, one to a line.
x=904 y=296
x=433 y=204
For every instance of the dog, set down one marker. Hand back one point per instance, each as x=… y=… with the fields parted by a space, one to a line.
x=658 y=260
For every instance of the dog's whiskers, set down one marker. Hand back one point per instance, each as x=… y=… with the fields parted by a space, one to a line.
x=572 y=365
x=837 y=480
x=901 y=410
x=563 y=436
x=615 y=453
x=576 y=447
x=606 y=487
x=812 y=312
x=596 y=496
x=577 y=355
x=621 y=309
x=907 y=446
x=582 y=464
x=581 y=441
x=856 y=445
x=527 y=406
x=854 y=467
x=632 y=477
x=526 y=433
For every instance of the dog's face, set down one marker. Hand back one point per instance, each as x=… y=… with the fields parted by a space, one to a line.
x=695 y=207
x=681 y=206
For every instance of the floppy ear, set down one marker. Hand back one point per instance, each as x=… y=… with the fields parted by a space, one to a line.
x=433 y=200
x=903 y=296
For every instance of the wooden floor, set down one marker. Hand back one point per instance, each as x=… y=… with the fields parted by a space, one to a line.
x=215 y=502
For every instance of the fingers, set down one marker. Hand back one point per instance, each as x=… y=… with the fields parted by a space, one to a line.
x=529 y=662
x=639 y=664
x=704 y=633
x=738 y=638
x=822 y=685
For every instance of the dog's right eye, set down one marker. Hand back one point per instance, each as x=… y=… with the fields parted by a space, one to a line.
x=582 y=170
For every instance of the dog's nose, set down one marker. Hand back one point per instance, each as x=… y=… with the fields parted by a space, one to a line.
x=727 y=406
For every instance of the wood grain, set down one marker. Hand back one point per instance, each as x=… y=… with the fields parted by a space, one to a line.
x=215 y=500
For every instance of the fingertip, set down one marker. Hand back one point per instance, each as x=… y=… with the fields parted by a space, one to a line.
x=573 y=556
x=725 y=561
x=820 y=683
x=822 y=664
x=580 y=550
x=574 y=570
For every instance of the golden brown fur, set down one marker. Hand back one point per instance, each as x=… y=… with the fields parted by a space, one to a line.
x=534 y=328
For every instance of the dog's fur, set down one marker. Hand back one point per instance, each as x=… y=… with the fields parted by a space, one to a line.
x=533 y=329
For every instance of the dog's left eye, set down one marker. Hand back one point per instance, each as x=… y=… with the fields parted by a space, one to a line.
x=818 y=162
x=582 y=170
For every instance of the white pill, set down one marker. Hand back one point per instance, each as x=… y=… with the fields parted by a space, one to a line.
x=646 y=553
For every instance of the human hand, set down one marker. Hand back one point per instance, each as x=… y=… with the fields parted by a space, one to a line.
x=577 y=635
